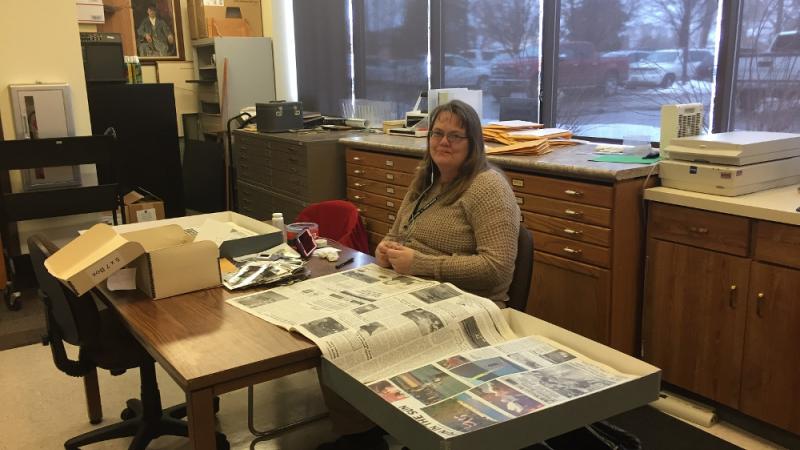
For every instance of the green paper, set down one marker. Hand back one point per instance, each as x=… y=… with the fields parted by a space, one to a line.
x=625 y=159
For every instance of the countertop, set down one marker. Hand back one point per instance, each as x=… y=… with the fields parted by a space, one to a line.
x=572 y=161
x=775 y=205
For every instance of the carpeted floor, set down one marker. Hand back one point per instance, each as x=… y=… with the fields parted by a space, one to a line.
x=659 y=431
x=24 y=326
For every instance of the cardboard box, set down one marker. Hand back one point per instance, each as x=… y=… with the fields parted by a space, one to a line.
x=142 y=207
x=208 y=18
x=266 y=236
x=166 y=259
x=90 y=13
x=525 y=430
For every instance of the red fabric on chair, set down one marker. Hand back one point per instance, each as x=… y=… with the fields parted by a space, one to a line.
x=337 y=220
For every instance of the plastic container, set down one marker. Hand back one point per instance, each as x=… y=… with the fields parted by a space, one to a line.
x=277 y=222
x=293 y=229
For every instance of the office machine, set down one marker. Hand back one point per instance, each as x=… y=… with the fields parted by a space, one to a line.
x=277 y=116
x=103 y=59
x=727 y=180
x=680 y=121
x=735 y=148
x=416 y=125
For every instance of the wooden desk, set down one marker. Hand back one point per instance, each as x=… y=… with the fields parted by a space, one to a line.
x=209 y=347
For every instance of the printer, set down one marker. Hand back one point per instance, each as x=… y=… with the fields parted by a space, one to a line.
x=731 y=164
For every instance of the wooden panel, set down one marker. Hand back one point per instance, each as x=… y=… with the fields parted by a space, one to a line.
x=568 y=248
x=366 y=198
x=704 y=229
x=570 y=190
x=770 y=388
x=694 y=318
x=566 y=210
x=777 y=243
x=382 y=161
x=377 y=187
x=567 y=228
x=571 y=295
x=372 y=173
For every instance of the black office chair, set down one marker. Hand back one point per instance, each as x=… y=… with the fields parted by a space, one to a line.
x=523 y=267
x=53 y=201
x=104 y=342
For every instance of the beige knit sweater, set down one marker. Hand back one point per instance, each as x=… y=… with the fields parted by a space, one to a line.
x=471 y=243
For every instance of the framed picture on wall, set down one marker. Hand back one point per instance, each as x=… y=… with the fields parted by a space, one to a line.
x=157 y=29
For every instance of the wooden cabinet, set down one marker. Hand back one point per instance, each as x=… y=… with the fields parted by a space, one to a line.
x=285 y=172
x=721 y=310
x=587 y=240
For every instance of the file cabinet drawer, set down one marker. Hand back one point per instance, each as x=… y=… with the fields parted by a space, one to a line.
x=383 y=161
x=377 y=187
x=777 y=243
x=566 y=210
x=376 y=213
x=568 y=248
x=288 y=148
x=567 y=229
x=569 y=190
x=373 y=173
x=704 y=229
x=389 y=203
x=376 y=226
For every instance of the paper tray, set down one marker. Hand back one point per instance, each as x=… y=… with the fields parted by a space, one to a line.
x=525 y=430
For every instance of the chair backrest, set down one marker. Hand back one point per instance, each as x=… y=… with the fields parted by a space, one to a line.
x=338 y=220
x=76 y=318
x=523 y=267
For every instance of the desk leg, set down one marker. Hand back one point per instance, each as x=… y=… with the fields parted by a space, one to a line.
x=200 y=414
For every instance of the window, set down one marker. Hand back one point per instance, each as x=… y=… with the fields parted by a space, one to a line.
x=620 y=60
x=767 y=89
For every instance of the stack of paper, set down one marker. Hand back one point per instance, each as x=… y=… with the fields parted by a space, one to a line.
x=524 y=138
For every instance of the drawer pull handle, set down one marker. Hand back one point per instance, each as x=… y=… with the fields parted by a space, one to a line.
x=699 y=230
x=573 y=251
x=732 y=298
x=574 y=193
x=570 y=212
x=359 y=197
x=760 y=303
x=360 y=210
x=572 y=232
x=356 y=158
x=358 y=185
x=358 y=172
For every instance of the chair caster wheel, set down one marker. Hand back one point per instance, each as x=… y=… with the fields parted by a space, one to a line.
x=127 y=414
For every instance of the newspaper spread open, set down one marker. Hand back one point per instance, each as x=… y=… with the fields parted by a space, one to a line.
x=444 y=357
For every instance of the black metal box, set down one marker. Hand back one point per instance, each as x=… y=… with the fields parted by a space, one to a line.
x=279 y=116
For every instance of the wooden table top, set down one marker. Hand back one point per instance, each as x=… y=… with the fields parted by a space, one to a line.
x=202 y=341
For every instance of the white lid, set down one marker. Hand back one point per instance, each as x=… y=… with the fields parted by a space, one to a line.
x=277 y=215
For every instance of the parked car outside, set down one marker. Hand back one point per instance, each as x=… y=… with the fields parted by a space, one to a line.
x=632 y=55
x=774 y=74
x=461 y=72
x=664 y=67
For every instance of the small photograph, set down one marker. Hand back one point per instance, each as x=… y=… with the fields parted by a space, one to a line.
x=324 y=327
x=436 y=293
x=464 y=413
x=569 y=381
x=487 y=369
x=558 y=356
x=365 y=309
x=525 y=359
x=426 y=321
x=429 y=384
x=261 y=299
x=506 y=398
x=360 y=275
x=388 y=391
x=401 y=280
x=372 y=328
x=473 y=333
x=453 y=361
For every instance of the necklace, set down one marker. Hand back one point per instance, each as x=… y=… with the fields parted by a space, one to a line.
x=418 y=210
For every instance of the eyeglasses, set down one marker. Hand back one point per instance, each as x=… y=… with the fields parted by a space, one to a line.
x=453 y=138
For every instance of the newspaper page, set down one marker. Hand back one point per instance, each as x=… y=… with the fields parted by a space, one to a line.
x=372 y=321
x=467 y=391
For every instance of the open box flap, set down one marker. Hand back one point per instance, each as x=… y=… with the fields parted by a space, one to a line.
x=159 y=237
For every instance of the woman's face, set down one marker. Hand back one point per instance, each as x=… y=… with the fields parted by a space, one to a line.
x=448 y=145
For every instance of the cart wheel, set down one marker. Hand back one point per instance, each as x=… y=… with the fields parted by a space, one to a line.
x=11 y=299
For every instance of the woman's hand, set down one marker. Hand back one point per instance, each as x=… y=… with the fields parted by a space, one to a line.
x=400 y=257
x=380 y=254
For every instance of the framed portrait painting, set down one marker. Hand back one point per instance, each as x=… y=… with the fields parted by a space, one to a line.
x=157 y=29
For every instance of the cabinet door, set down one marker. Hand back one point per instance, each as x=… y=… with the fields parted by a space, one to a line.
x=571 y=295
x=771 y=367
x=694 y=318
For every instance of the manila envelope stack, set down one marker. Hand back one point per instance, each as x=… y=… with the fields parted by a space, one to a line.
x=520 y=137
